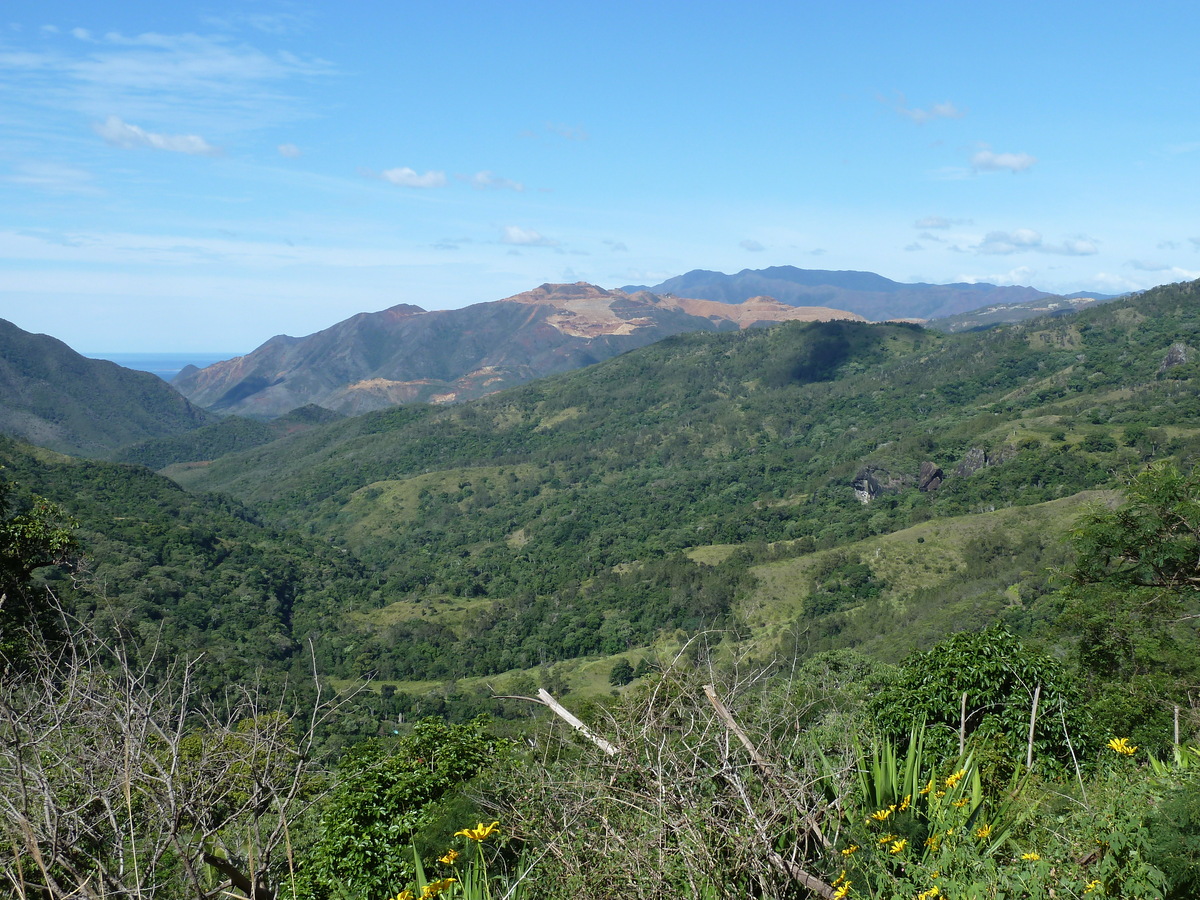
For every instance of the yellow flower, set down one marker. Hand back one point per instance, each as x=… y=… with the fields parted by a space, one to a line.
x=1091 y=886
x=929 y=787
x=449 y=858
x=405 y=895
x=933 y=842
x=983 y=831
x=840 y=878
x=881 y=815
x=436 y=887
x=1122 y=746
x=843 y=891
x=887 y=839
x=1032 y=856
x=961 y=802
x=850 y=851
x=904 y=803
x=954 y=779
x=480 y=832
x=898 y=846
x=934 y=891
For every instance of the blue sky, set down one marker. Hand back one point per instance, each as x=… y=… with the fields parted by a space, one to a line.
x=201 y=176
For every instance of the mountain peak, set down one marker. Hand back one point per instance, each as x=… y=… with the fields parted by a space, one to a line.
x=561 y=293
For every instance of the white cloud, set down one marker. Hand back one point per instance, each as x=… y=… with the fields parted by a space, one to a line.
x=1073 y=247
x=932 y=222
x=490 y=180
x=1195 y=242
x=121 y=134
x=1143 y=265
x=406 y=177
x=1018 y=275
x=291 y=151
x=944 y=110
x=1168 y=245
x=913 y=247
x=752 y=245
x=1005 y=242
x=82 y=34
x=525 y=237
x=616 y=246
x=987 y=161
x=1024 y=240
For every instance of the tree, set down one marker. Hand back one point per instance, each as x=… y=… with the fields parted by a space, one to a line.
x=621 y=674
x=116 y=781
x=387 y=793
x=32 y=535
x=1133 y=602
x=999 y=678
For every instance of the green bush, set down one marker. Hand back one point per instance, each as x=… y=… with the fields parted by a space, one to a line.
x=388 y=792
x=1174 y=838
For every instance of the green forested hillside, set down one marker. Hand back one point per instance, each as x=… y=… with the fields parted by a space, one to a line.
x=54 y=397
x=563 y=512
x=180 y=575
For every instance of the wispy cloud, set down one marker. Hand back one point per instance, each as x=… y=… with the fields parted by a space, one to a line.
x=406 y=177
x=219 y=84
x=119 y=133
x=569 y=132
x=752 y=245
x=54 y=178
x=291 y=151
x=277 y=24
x=944 y=110
x=985 y=160
x=932 y=222
x=525 y=237
x=1026 y=240
x=616 y=246
x=491 y=181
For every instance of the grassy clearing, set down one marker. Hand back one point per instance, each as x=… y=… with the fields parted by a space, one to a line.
x=917 y=557
x=377 y=508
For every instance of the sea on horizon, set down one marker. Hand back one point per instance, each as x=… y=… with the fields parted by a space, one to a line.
x=165 y=365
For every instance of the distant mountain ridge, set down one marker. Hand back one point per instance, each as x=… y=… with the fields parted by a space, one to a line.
x=56 y=398
x=405 y=354
x=869 y=295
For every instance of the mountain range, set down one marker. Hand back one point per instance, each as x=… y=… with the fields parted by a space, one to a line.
x=869 y=295
x=56 y=398
x=406 y=354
